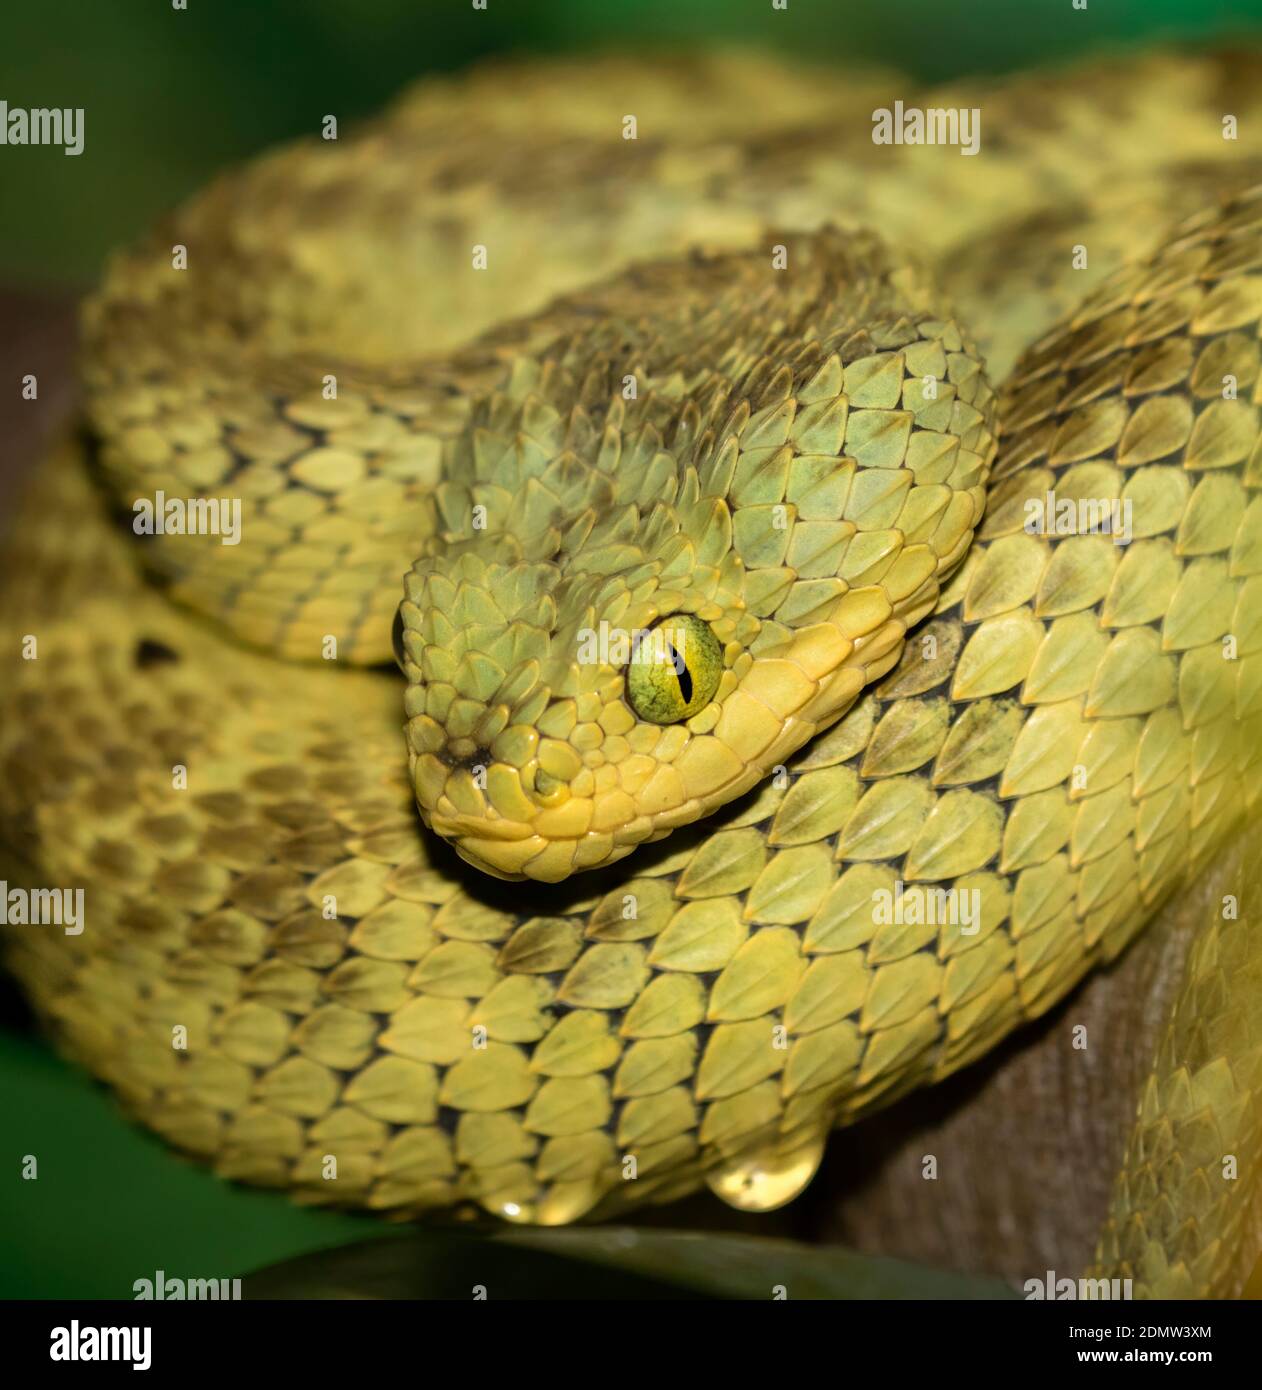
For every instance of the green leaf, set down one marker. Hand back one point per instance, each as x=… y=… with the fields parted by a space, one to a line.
x=112 y=1204
x=607 y=1262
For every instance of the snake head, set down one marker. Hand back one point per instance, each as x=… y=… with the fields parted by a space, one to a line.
x=557 y=719
x=565 y=707
x=662 y=601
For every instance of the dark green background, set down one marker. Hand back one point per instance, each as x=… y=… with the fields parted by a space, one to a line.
x=169 y=97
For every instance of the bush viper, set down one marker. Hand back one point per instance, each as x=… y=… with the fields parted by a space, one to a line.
x=555 y=362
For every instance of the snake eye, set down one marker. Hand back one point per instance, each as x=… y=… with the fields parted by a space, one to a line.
x=674 y=669
x=396 y=637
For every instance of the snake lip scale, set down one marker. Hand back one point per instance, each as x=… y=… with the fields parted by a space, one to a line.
x=897 y=747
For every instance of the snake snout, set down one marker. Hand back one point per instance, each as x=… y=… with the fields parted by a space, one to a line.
x=528 y=806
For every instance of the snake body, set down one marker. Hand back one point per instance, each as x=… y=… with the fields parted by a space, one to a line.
x=733 y=373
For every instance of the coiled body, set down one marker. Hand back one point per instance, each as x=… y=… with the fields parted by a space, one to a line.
x=916 y=842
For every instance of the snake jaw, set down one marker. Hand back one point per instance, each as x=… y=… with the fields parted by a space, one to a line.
x=545 y=805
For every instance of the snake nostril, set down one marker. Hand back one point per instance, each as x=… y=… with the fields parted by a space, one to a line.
x=545 y=790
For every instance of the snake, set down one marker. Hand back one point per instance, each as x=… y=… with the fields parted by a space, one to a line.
x=635 y=727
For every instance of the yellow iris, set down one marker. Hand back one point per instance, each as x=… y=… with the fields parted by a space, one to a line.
x=674 y=669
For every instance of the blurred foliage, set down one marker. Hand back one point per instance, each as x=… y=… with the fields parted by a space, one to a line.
x=171 y=95
x=112 y=1204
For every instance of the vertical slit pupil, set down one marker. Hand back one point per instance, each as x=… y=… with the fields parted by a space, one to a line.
x=682 y=674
